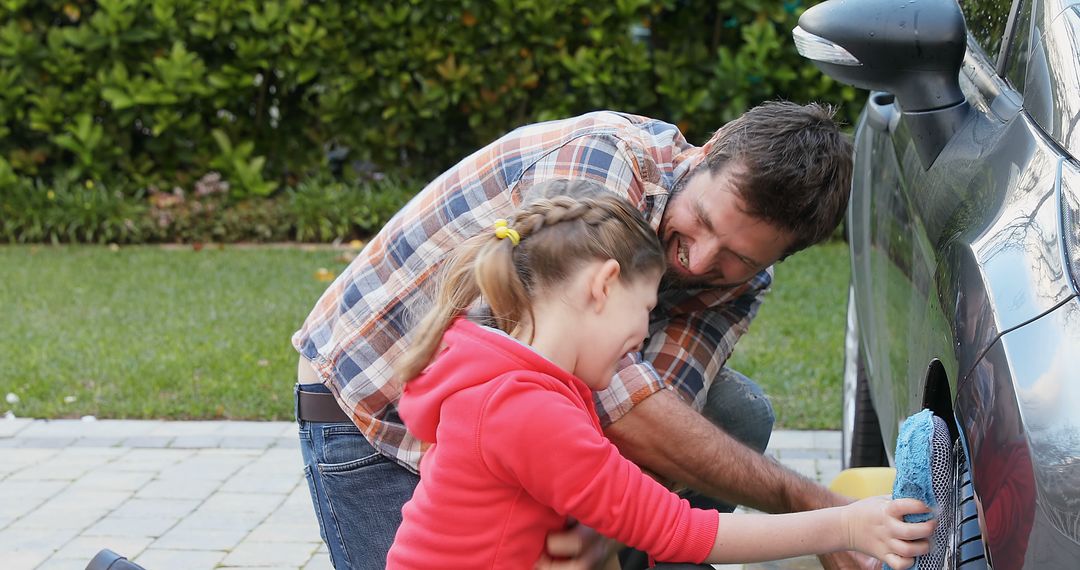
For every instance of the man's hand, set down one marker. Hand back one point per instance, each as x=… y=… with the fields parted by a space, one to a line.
x=577 y=548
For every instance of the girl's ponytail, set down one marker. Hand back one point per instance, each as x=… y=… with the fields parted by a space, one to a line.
x=482 y=267
x=542 y=245
x=500 y=282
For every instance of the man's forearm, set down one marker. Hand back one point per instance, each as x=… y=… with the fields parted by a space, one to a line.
x=664 y=435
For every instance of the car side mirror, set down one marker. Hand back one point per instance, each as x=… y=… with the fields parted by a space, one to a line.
x=910 y=48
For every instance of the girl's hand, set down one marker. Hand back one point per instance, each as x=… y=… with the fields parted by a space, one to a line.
x=876 y=526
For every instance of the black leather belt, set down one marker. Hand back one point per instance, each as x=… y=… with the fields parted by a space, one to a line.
x=319 y=408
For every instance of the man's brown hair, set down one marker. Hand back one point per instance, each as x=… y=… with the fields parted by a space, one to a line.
x=792 y=167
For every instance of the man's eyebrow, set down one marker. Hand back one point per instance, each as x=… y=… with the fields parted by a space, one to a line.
x=703 y=216
x=746 y=260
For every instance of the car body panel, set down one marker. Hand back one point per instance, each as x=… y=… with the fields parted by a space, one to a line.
x=1051 y=78
x=1010 y=269
x=928 y=245
x=966 y=270
x=1018 y=409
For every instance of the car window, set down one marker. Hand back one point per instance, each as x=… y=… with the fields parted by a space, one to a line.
x=1017 y=57
x=986 y=20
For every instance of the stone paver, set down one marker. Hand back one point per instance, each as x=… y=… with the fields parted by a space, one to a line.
x=164 y=559
x=791 y=440
x=137 y=507
x=200 y=539
x=82 y=548
x=11 y=426
x=252 y=553
x=201 y=495
x=172 y=488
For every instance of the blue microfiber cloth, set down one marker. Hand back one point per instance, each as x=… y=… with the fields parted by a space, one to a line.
x=914 y=478
x=913 y=475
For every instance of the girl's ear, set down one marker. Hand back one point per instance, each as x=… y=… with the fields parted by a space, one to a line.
x=601 y=281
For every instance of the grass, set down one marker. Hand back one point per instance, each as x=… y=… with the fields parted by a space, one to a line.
x=795 y=346
x=150 y=333
x=146 y=332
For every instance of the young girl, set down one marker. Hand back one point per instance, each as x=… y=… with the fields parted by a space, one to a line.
x=516 y=443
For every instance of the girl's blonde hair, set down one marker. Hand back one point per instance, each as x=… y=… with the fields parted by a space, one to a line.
x=579 y=222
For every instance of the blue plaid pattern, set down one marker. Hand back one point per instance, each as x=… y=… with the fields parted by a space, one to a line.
x=362 y=321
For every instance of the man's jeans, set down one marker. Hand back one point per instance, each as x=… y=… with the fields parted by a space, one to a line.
x=358 y=493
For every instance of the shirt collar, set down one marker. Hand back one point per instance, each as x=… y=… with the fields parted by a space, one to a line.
x=659 y=193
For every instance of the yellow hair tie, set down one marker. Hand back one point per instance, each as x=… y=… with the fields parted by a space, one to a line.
x=503 y=232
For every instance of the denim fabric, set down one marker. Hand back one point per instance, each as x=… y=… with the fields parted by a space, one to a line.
x=357 y=492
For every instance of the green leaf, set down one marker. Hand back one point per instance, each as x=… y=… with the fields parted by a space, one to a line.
x=222 y=141
x=118 y=99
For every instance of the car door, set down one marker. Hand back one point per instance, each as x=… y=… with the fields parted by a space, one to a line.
x=913 y=229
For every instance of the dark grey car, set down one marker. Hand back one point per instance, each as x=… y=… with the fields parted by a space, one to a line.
x=964 y=227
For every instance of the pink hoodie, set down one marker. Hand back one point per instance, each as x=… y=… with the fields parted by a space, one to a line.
x=518 y=449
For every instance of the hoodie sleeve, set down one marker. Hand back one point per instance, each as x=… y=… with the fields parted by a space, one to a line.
x=537 y=438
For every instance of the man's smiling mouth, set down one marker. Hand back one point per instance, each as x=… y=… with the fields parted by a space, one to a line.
x=683 y=254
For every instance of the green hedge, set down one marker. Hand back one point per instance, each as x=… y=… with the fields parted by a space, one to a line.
x=135 y=93
x=318 y=209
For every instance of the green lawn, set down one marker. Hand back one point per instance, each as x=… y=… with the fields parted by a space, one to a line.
x=795 y=347
x=149 y=333
x=145 y=332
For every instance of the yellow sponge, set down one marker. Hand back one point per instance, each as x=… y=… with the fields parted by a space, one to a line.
x=862 y=482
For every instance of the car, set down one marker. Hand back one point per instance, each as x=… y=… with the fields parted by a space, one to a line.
x=964 y=233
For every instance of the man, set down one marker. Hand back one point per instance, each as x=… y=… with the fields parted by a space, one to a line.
x=768 y=184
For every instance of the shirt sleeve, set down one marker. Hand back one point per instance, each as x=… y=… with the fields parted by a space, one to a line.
x=537 y=438
x=692 y=334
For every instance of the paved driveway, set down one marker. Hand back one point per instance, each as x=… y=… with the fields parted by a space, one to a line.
x=196 y=495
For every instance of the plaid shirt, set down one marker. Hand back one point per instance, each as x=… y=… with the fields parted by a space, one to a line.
x=362 y=321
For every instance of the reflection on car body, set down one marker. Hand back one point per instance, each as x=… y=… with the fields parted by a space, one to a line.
x=964 y=226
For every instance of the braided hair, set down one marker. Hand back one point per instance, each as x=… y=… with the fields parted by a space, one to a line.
x=579 y=223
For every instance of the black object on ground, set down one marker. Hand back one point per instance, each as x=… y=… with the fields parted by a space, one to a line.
x=109 y=560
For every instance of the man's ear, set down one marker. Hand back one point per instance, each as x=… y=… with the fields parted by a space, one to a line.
x=601 y=281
